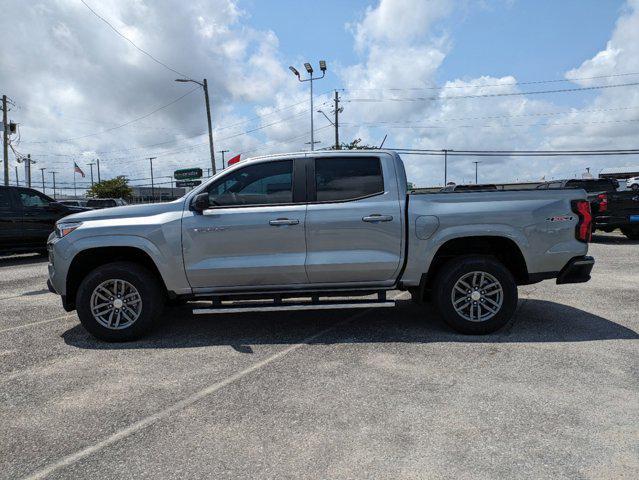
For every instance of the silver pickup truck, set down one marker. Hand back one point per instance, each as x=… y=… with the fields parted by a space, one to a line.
x=289 y=229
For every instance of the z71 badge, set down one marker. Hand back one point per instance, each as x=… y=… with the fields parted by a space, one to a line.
x=560 y=218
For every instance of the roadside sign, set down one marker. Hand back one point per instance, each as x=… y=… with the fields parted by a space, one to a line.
x=188 y=183
x=188 y=173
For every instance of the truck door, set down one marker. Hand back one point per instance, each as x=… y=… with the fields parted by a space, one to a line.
x=38 y=218
x=10 y=221
x=353 y=220
x=253 y=235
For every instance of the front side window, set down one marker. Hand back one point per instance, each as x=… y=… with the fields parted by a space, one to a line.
x=259 y=184
x=347 y=178
x=32 y=199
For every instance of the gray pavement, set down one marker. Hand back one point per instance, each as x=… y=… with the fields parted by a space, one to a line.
x=389 y=393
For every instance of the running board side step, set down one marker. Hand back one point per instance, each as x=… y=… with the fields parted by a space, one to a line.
x=270 y=307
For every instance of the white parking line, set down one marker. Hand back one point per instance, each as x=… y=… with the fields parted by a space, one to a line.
x=147 y=421
x=18 y=327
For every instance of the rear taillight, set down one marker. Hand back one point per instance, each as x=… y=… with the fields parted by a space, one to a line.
x=603 y=202
x=583 y=230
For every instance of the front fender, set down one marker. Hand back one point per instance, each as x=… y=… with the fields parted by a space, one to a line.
x=166 y=261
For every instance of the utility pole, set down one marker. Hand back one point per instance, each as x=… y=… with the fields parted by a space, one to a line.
x=152 y=185
x=338 y=110
x=205 y=86
x=91 y=166
x=17 y=180
x=476 y=163
x=42 y=169
x=53 y=173
x=27 y=168
x=309 y=69
x=97 y=161
x=223 y=152
x=5 y=140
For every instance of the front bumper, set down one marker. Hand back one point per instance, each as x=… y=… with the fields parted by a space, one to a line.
x=577 y=270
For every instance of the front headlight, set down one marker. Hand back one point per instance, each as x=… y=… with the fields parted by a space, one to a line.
x=62 y=229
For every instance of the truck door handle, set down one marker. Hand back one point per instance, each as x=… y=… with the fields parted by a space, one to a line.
x=283 y=221
x=378 y=218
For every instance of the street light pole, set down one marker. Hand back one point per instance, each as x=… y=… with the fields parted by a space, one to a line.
x=42 y=169
x=223 y=152
x=205 y=86
x=476 y=163
x=91 y=166
x=152 y=184
x=53 y=173
x=309 y=69
x=445 y=167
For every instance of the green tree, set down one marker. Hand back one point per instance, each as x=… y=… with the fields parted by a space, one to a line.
x=355 y=145
x=117 y=187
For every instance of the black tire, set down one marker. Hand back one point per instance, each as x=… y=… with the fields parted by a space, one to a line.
x=150 y=292
x=452 y=272
x=631 y=233
x=635 y=187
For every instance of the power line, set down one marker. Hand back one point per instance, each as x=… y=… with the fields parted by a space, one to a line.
x=186 y=139
x=132 y=43
x=121 y=125
x=493 y=117
x=477 y=85
x=487 y=95
x=373 y=124
x=518 y=153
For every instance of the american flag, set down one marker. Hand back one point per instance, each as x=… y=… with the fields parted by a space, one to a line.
x=77 y=169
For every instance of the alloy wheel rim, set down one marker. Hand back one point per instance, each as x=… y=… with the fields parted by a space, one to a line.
x=477 y=296
x=116 y=304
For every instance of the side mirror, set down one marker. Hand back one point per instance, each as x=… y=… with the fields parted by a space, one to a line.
x=200 y=202
x=55 y=207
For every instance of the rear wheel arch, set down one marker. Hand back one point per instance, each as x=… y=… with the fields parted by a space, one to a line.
x=504 y=249
x=88 y=260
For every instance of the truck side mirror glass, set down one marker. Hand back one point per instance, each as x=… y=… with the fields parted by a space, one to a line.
x=200 y=202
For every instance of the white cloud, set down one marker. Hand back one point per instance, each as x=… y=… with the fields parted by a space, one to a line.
x=71 y=75
x=401 y=58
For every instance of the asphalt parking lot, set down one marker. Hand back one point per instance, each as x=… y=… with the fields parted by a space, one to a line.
x=389 y=393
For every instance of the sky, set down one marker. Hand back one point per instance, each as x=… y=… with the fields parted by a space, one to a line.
x=432 y=74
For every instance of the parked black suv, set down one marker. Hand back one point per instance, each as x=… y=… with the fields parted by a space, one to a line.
x=620 y=210
x=27 y=217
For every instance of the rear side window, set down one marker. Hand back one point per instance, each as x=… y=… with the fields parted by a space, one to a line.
x=33 y=199
x=347 y=178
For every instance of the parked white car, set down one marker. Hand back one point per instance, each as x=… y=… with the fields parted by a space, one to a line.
x=632 y=183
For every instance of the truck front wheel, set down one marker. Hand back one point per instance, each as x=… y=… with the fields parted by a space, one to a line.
x=119 y=301
x=475 y=294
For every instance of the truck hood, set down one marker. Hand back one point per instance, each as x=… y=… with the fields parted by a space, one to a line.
x=128 y=211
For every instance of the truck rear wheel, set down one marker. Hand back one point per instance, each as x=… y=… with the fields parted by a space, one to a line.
x=475 y=294
x=119 y=301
